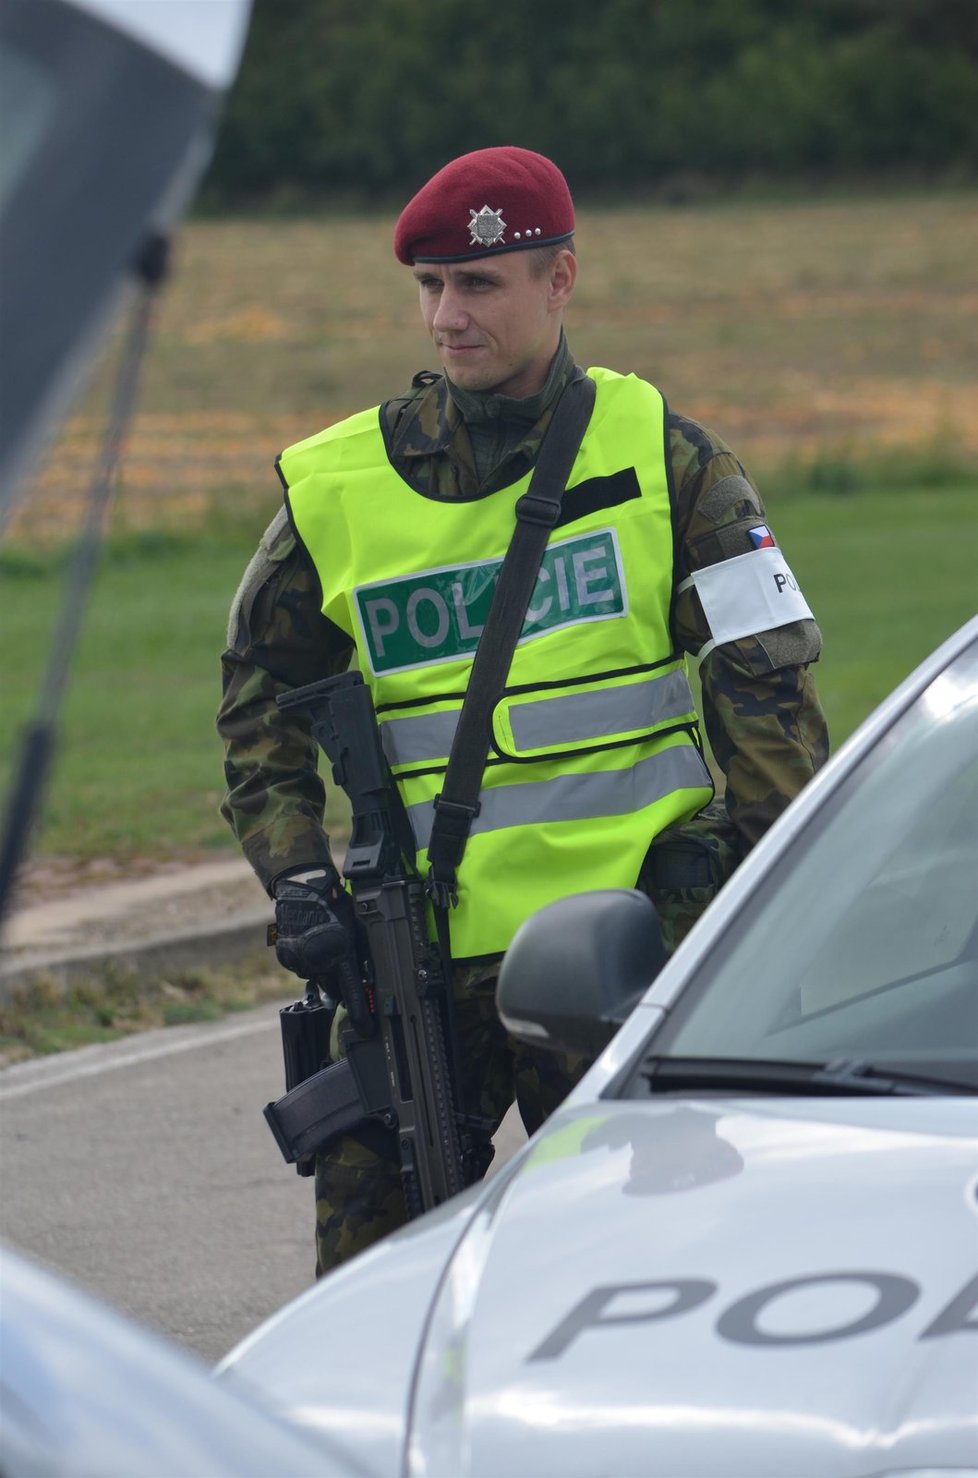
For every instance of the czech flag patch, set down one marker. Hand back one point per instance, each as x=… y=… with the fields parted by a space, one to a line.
x=761 y=537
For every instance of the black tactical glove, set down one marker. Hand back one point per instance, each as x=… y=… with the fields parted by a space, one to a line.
x=316 y=938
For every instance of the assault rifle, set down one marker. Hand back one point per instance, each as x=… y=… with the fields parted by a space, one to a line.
x=401 y=1076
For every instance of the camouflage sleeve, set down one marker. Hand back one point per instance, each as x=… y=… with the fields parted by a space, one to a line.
x=760 y=707
x=278 y=639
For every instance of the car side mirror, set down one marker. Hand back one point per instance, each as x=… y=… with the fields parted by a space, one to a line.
x=577 y=968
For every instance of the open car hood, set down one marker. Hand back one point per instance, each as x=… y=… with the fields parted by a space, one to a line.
x=108 y=110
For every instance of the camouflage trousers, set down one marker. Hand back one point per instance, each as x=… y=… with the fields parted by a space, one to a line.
x=358 y=1179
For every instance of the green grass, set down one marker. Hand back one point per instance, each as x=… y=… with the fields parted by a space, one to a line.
x=888 y=575
x=138 y=771
x=138 y=766
x=42 y=1018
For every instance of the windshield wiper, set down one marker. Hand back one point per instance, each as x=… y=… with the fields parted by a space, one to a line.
x=841 y=1077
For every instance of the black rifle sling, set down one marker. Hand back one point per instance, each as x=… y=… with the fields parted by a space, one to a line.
x=537 y=511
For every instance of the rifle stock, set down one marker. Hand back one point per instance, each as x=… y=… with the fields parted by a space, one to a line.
x=403 y=1075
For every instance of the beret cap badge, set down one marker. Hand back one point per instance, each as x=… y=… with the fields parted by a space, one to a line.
x=486 y=226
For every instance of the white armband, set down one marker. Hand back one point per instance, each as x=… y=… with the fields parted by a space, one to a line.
x=750 y=593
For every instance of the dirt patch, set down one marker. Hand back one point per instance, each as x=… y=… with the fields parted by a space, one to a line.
x=47 y=879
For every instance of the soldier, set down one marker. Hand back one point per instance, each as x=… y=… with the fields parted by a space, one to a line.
x=393 y=518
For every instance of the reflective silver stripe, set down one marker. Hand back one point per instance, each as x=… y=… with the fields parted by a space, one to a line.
x=418 y=741
x=572 y=718
x=600 y=714
x=579 y=797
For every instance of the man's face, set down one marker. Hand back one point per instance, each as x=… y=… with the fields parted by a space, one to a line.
x=496 y=323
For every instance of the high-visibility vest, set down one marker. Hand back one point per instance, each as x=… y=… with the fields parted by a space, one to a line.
x=595 y=748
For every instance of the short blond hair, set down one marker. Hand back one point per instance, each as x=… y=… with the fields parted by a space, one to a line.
x=542 y=258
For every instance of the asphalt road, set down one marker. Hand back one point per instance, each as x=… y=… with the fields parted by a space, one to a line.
x=145 y=1171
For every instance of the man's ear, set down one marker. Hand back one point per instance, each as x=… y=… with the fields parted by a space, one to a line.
x=563 y=275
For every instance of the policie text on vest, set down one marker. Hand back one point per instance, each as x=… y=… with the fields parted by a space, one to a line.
x=438 y=615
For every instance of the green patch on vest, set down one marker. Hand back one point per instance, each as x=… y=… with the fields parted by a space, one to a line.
x=438 y=615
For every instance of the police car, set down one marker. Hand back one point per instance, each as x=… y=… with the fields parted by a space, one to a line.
x=747 y=1244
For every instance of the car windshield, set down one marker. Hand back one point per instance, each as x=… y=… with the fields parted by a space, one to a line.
x=863 y=942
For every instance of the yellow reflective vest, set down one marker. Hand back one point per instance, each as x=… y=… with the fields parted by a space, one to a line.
x=594 y=742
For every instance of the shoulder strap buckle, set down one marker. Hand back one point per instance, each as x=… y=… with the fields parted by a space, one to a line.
x=443 y=892
x=531 y=508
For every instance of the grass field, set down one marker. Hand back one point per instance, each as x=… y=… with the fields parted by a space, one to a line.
x=832 y=343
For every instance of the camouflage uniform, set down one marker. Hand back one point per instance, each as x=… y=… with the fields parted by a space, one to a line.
x=760 y=711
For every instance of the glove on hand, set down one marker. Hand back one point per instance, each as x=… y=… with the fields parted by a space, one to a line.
x=316 y=938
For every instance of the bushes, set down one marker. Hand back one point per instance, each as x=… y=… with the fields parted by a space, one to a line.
x=364 y=101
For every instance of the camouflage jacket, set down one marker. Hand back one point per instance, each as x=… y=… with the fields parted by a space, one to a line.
x=759 y=705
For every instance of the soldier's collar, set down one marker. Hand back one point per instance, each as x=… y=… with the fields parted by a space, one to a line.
x=432 y=421
x=476 y=406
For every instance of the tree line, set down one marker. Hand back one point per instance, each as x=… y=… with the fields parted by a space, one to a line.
x=363 y=99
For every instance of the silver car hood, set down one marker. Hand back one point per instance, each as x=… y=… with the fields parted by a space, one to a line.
x=694 y=1288
x=688 y=1288
x=339 y=1360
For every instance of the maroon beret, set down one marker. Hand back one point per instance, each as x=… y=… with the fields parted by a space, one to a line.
x=504 y=199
